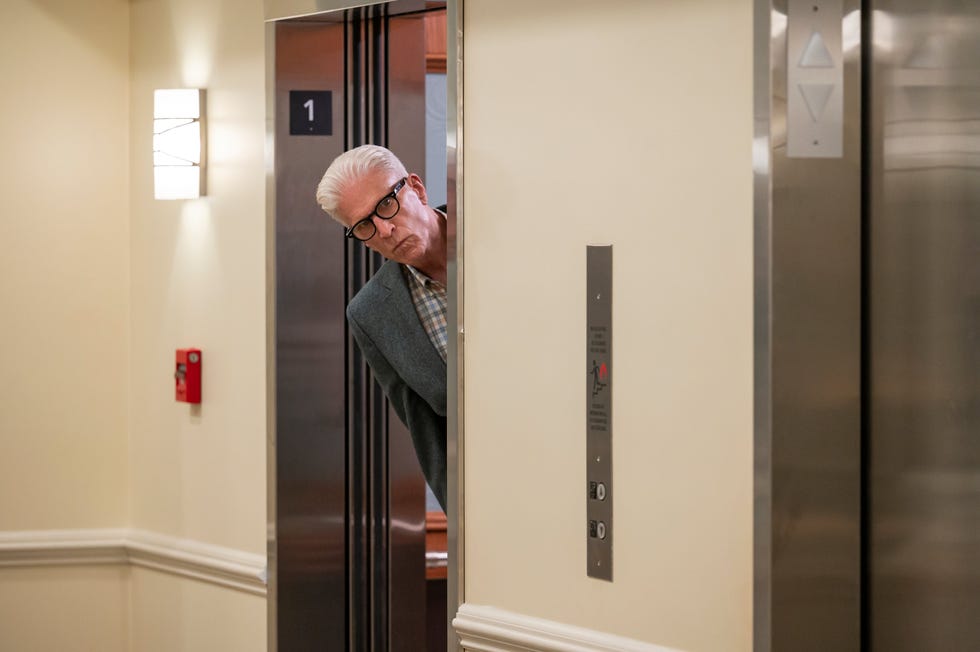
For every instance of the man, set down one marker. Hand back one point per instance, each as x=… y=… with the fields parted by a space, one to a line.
x=399 y=317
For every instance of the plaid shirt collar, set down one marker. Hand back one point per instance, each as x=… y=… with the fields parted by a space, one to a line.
x=429 y=299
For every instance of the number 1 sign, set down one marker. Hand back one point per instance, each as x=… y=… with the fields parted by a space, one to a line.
x=310 y=113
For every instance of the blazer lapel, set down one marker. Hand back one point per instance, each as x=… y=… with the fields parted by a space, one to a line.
x=422 y=366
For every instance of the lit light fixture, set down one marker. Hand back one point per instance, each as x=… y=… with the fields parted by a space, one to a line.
x=178 y=143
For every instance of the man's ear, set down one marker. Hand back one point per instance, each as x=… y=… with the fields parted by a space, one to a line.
x=416 y=182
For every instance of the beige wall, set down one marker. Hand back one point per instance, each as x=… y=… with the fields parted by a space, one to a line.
x=65 y=609
x=64 y=288
x=627 y=124
x=64 y=270
x=198 y=272
x=198 y=279
x=170 y=614
x=100 y=283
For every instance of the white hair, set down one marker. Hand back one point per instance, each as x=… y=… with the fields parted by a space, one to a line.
x=348 y=168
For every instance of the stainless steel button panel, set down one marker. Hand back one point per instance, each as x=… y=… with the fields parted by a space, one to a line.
x=598 y=412
x=815 y=79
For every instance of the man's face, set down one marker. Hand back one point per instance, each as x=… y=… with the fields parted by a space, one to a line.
x=407 y=237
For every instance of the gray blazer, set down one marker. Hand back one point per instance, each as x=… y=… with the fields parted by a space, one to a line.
x=411 y=372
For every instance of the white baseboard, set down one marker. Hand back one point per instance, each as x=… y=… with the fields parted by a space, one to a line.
x=226 y=567
x=488 y=629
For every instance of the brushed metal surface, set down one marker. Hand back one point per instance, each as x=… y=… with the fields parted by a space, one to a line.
x=311 y=434
x=598 y=414
x=925 y=326
x=347 y=501
x=761 y=336
x=815 y=76
x=406 y=486
x=283 y=9
x=455 y=354
x=815 y=311
x=271 y=373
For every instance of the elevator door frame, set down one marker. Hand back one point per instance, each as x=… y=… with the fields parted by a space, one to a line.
x=277 y=10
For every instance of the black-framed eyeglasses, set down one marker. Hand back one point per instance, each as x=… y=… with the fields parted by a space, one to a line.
x=386 y=209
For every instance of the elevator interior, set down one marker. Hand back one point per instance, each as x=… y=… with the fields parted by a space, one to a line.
x=348 y=507
x=868 y=335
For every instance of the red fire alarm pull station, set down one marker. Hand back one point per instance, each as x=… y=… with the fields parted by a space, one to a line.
x=188 y=375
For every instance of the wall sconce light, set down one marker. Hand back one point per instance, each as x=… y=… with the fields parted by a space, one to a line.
x=178 y=143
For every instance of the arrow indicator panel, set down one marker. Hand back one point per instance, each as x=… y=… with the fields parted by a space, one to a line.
x=815 y=89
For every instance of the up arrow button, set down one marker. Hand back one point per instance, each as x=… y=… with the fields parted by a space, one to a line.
x=816 y=54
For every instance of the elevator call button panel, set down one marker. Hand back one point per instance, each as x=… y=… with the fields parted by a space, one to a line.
x=598 y=412
x=815 y=79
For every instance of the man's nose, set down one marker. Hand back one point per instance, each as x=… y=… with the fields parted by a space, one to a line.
x=385 y=227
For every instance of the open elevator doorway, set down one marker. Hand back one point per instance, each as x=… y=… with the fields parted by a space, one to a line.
x=357 y=544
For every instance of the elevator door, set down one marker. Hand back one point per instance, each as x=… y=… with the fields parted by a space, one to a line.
x=923 y=328
x=348 y=547
x=868 y=349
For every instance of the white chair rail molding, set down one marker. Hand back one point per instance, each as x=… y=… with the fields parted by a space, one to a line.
x=489 y=629
x=227 y=567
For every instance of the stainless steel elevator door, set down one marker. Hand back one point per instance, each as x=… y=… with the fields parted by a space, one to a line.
x=924 y=328
x=406 y=485
x=310 y=544
x=348 y=555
